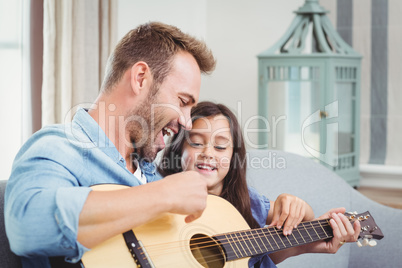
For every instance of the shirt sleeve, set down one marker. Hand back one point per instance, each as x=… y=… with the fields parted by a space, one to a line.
x=43 y=201
x=260 y=206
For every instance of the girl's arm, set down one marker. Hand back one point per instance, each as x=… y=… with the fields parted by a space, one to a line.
x=343 y=231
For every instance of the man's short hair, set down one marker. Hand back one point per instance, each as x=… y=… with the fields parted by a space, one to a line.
x=156 y=44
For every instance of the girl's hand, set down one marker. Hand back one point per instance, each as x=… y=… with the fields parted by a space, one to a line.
x=288 y=211
x=343 y=231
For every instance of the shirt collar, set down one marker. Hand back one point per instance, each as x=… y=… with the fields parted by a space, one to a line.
x=96 y=134
x=99 y=139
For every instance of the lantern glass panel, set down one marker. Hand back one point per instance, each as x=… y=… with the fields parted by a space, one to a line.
x=345 y=93
x=293 y=96
x=346 y=106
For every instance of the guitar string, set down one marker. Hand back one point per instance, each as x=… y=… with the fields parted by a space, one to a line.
x=213 y=257
x=154 y=254
x=210 y=258
x=207 y=244
x=315 y=225
x=324 y=236
x=183 y=242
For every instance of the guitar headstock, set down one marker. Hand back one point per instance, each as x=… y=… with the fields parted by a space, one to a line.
x=369 y=229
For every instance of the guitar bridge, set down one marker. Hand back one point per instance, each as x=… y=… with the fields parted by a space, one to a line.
x=146 y=254
x=137 y=250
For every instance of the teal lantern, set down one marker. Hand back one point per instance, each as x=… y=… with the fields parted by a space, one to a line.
x=309 y=94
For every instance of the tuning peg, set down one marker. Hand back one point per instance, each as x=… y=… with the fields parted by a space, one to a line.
x=365 y=242
x=372 y=243
x=353 y=212
x=359 y=244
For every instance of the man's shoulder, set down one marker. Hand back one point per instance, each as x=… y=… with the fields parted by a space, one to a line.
x=49 y=148
x=53 y=140
x=61 y=134
x=75 y=133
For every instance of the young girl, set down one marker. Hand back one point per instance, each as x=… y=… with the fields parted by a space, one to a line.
x=215 y=148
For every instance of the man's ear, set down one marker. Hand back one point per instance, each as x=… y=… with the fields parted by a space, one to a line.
x=140 y=77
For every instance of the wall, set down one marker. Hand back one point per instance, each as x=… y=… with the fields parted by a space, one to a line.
x=373 y=28
x=10 y=84
x=236 y=31
x=188 y=15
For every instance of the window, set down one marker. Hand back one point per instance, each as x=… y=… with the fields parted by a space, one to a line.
x=10 y=83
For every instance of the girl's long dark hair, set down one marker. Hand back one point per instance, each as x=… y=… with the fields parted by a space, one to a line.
x=234 y=184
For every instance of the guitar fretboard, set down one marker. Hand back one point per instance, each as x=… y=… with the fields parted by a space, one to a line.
x=268 y=239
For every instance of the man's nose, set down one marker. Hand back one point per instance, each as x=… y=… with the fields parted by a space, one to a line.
x=185 y=121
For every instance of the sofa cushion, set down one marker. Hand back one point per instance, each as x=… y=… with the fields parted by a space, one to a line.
x=281 y=172
x=7 y=258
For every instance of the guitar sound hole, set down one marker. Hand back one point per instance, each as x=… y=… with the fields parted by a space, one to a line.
x=207 y=251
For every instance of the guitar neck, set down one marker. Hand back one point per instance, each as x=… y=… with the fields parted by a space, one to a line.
x=269 y=239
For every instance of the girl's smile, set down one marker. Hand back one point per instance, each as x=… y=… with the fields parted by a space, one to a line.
x=208 y=149
x=205 y=167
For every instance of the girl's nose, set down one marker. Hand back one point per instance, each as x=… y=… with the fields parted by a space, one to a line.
x=207 y=152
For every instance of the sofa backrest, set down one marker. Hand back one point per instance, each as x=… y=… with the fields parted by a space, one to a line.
x=276 y=172
x=281 y=172
x=7 y=258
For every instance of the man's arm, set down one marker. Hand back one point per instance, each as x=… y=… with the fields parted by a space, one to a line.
x=108 y=213
x=48 y=213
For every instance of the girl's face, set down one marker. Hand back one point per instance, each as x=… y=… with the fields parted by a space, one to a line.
x=208 y=149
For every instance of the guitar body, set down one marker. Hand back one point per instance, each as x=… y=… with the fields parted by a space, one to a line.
x=166 y=240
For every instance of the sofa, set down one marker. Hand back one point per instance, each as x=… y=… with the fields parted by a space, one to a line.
x=275 y=172
x=7 y=258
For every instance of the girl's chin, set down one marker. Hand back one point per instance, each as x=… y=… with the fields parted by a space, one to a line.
x=215 y=189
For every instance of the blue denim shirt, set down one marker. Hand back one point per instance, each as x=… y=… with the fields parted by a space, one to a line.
x=49 y=185
x=260 y=206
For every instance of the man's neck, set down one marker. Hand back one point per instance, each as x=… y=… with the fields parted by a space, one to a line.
x=110 y=118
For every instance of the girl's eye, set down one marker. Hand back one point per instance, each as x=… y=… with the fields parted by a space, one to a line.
x=220 y=148
x=195 y=145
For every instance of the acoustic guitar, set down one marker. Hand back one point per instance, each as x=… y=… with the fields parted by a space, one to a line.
x=219 y=238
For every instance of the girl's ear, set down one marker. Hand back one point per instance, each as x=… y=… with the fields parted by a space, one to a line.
x=140 y=77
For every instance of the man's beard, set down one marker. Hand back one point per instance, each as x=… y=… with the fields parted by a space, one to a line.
x=144 y=129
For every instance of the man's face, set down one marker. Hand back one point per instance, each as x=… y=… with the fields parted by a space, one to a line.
x=169 y=108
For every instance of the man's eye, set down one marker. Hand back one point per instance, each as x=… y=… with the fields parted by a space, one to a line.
x=183 y=102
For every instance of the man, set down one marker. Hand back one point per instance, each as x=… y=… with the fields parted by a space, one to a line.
x=152 y=81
